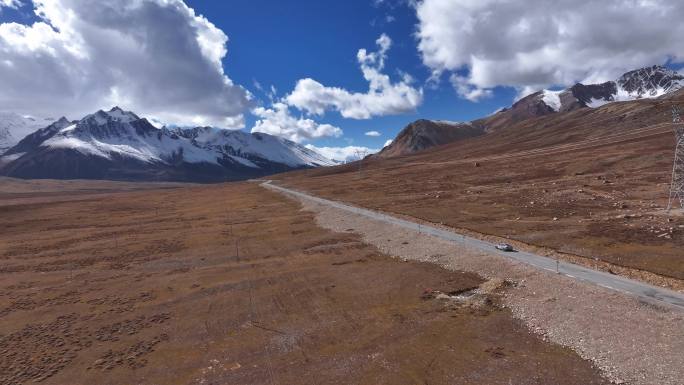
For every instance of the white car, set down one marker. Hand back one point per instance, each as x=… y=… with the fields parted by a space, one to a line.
x=504 y=247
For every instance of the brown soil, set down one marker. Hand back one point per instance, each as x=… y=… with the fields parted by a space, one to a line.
x=599 y=324
x=232 y=284
x=592 y=183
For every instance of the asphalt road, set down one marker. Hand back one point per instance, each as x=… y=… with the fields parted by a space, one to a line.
x=646 y=292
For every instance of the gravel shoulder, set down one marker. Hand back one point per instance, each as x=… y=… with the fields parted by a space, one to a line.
x=631 y=341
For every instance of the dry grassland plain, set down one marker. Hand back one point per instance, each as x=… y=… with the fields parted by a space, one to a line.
x=233 y=284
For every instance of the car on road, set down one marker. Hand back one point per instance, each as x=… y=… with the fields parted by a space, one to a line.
x=504 y=247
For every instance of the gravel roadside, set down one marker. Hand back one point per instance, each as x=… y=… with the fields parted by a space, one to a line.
x=632 y=342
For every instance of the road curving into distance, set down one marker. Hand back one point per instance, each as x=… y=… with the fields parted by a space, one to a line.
x=643 y=291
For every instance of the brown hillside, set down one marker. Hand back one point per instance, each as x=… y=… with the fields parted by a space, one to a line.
x=590 y=182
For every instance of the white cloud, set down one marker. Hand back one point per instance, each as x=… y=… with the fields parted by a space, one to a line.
x=467 y=90
x=343 y=154
x=10 y=4
x=372 y=133
x=387 y=143
x=536 y=44
x=156 y=57
x=277 y=120
x=383 y=96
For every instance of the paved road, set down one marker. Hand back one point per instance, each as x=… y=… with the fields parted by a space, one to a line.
x=652 y=294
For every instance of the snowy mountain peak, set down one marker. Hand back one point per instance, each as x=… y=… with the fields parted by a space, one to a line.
x=14 y=127
x=254 y=146
x=63 y=121
x=115 y=115
x=118 y=142
x=552 y=99
x=647 y=82
x=650 y=82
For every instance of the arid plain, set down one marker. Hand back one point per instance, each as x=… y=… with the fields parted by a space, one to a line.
x=107 y=283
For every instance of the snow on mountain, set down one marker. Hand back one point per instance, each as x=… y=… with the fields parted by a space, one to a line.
x=648 y=82
x=14 y=127
x=120 y=143
x=552 y=99
x=125 y=134
x=255 y=146
x=116 y=132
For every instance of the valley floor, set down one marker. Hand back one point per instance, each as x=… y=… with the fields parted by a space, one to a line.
x=602 y=325
x=584 y=193
x=235 y=284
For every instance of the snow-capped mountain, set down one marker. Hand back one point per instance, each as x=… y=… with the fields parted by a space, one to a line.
x=14 y=127
x=254 y=148
x=118 y=144
x=648 y=82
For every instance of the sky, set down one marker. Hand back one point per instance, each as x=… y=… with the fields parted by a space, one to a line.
x=337 y=76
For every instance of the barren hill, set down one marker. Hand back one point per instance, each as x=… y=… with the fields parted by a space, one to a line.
x=644 y=83
x=588 y=182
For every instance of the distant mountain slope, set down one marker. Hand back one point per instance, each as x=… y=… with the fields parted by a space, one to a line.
x=423 y=134
x=649 y=82
x=592 y=182
x=256 y=147
x=119 y=145
x=14 y=127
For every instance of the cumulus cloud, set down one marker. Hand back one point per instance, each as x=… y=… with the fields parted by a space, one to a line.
x=10 y=4
x=382 y=98
x=373 y=133
x=387 y=143
x=156 y=57
x=343 y=154
x=468 y=90
x=278 y=120
x=540 y=43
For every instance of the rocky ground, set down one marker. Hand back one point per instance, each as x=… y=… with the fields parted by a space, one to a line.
x=632 y=342
x=235 y=284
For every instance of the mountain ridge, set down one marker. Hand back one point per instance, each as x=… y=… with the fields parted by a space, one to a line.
x=648 y=82
x=120 y=145
x=14 y=127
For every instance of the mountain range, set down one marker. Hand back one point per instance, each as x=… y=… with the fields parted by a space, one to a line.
x=14 y=127
x=120 y=145
x=649 y=82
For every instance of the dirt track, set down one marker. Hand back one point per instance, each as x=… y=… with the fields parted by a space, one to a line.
x=232 y=284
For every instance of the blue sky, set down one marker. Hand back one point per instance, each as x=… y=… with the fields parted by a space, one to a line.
x=201 y=62
x=276 y=43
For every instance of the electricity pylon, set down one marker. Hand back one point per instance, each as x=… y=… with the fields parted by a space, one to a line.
x=677 y=185
x=361 y=154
